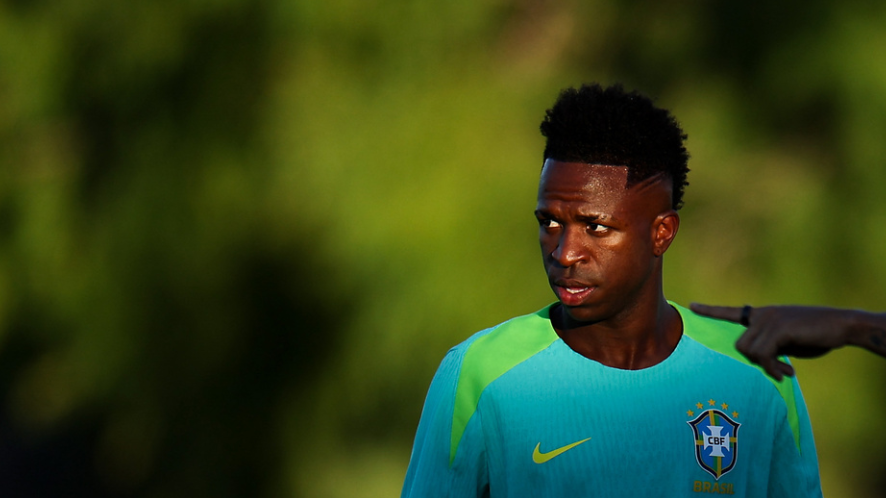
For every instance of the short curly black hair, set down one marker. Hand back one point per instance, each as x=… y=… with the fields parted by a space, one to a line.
x=610 y=126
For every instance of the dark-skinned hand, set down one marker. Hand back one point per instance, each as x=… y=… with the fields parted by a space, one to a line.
x=799 y=331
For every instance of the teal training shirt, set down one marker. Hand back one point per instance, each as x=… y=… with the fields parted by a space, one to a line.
x=514 y=412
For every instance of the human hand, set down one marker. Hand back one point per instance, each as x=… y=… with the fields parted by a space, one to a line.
x=800 y=331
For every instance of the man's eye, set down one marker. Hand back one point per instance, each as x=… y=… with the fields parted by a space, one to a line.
x=596 y=227
x=549 y=223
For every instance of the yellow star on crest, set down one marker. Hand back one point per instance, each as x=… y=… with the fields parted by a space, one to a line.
x=690 y=413
x=725 y=406
x=734 y=414
x=699 y=406
x=712 y=402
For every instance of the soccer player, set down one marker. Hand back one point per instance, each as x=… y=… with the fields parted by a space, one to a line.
x=801 y=331
x=612 y=390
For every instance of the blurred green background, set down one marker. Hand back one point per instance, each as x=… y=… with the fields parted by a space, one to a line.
x=237 y=237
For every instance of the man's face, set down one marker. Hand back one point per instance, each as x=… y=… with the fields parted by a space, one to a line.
x=600 y=241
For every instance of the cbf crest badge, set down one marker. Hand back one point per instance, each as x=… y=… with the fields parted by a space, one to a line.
x=716 y=440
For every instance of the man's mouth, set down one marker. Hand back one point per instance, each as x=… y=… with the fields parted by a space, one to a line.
x=572 y=295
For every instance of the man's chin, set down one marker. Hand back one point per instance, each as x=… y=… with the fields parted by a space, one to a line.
x=574 y=316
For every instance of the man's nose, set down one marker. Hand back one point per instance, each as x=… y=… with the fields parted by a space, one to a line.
x=570 y=248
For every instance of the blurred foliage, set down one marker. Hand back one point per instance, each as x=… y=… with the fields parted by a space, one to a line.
x=237 y=237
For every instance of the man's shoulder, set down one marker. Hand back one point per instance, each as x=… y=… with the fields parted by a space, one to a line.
x=714 y=342
x=717 y=335
x=515 y=333
x=491 y=352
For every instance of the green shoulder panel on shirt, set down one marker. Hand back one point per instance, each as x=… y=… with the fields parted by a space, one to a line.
x=720 y=336
x=492 y=355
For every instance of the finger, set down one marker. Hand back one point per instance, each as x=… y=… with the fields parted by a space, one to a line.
x=753 y=340
x=772 y=369
x=731 y=313
x=761 y=343
x=767 y=361
x=775 y=368
x=786 y=368
x=779 y=369
x=746 y=342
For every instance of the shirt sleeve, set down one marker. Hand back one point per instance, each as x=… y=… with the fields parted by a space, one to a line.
x=794 y=467
x=430 y=473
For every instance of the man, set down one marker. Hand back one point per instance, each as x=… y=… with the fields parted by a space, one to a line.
x=801 y=331
x=612 y=390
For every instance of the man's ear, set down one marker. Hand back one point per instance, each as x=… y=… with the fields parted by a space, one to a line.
x=664 y=229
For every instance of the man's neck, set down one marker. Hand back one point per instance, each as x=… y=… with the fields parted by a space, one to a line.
x=644 y=340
